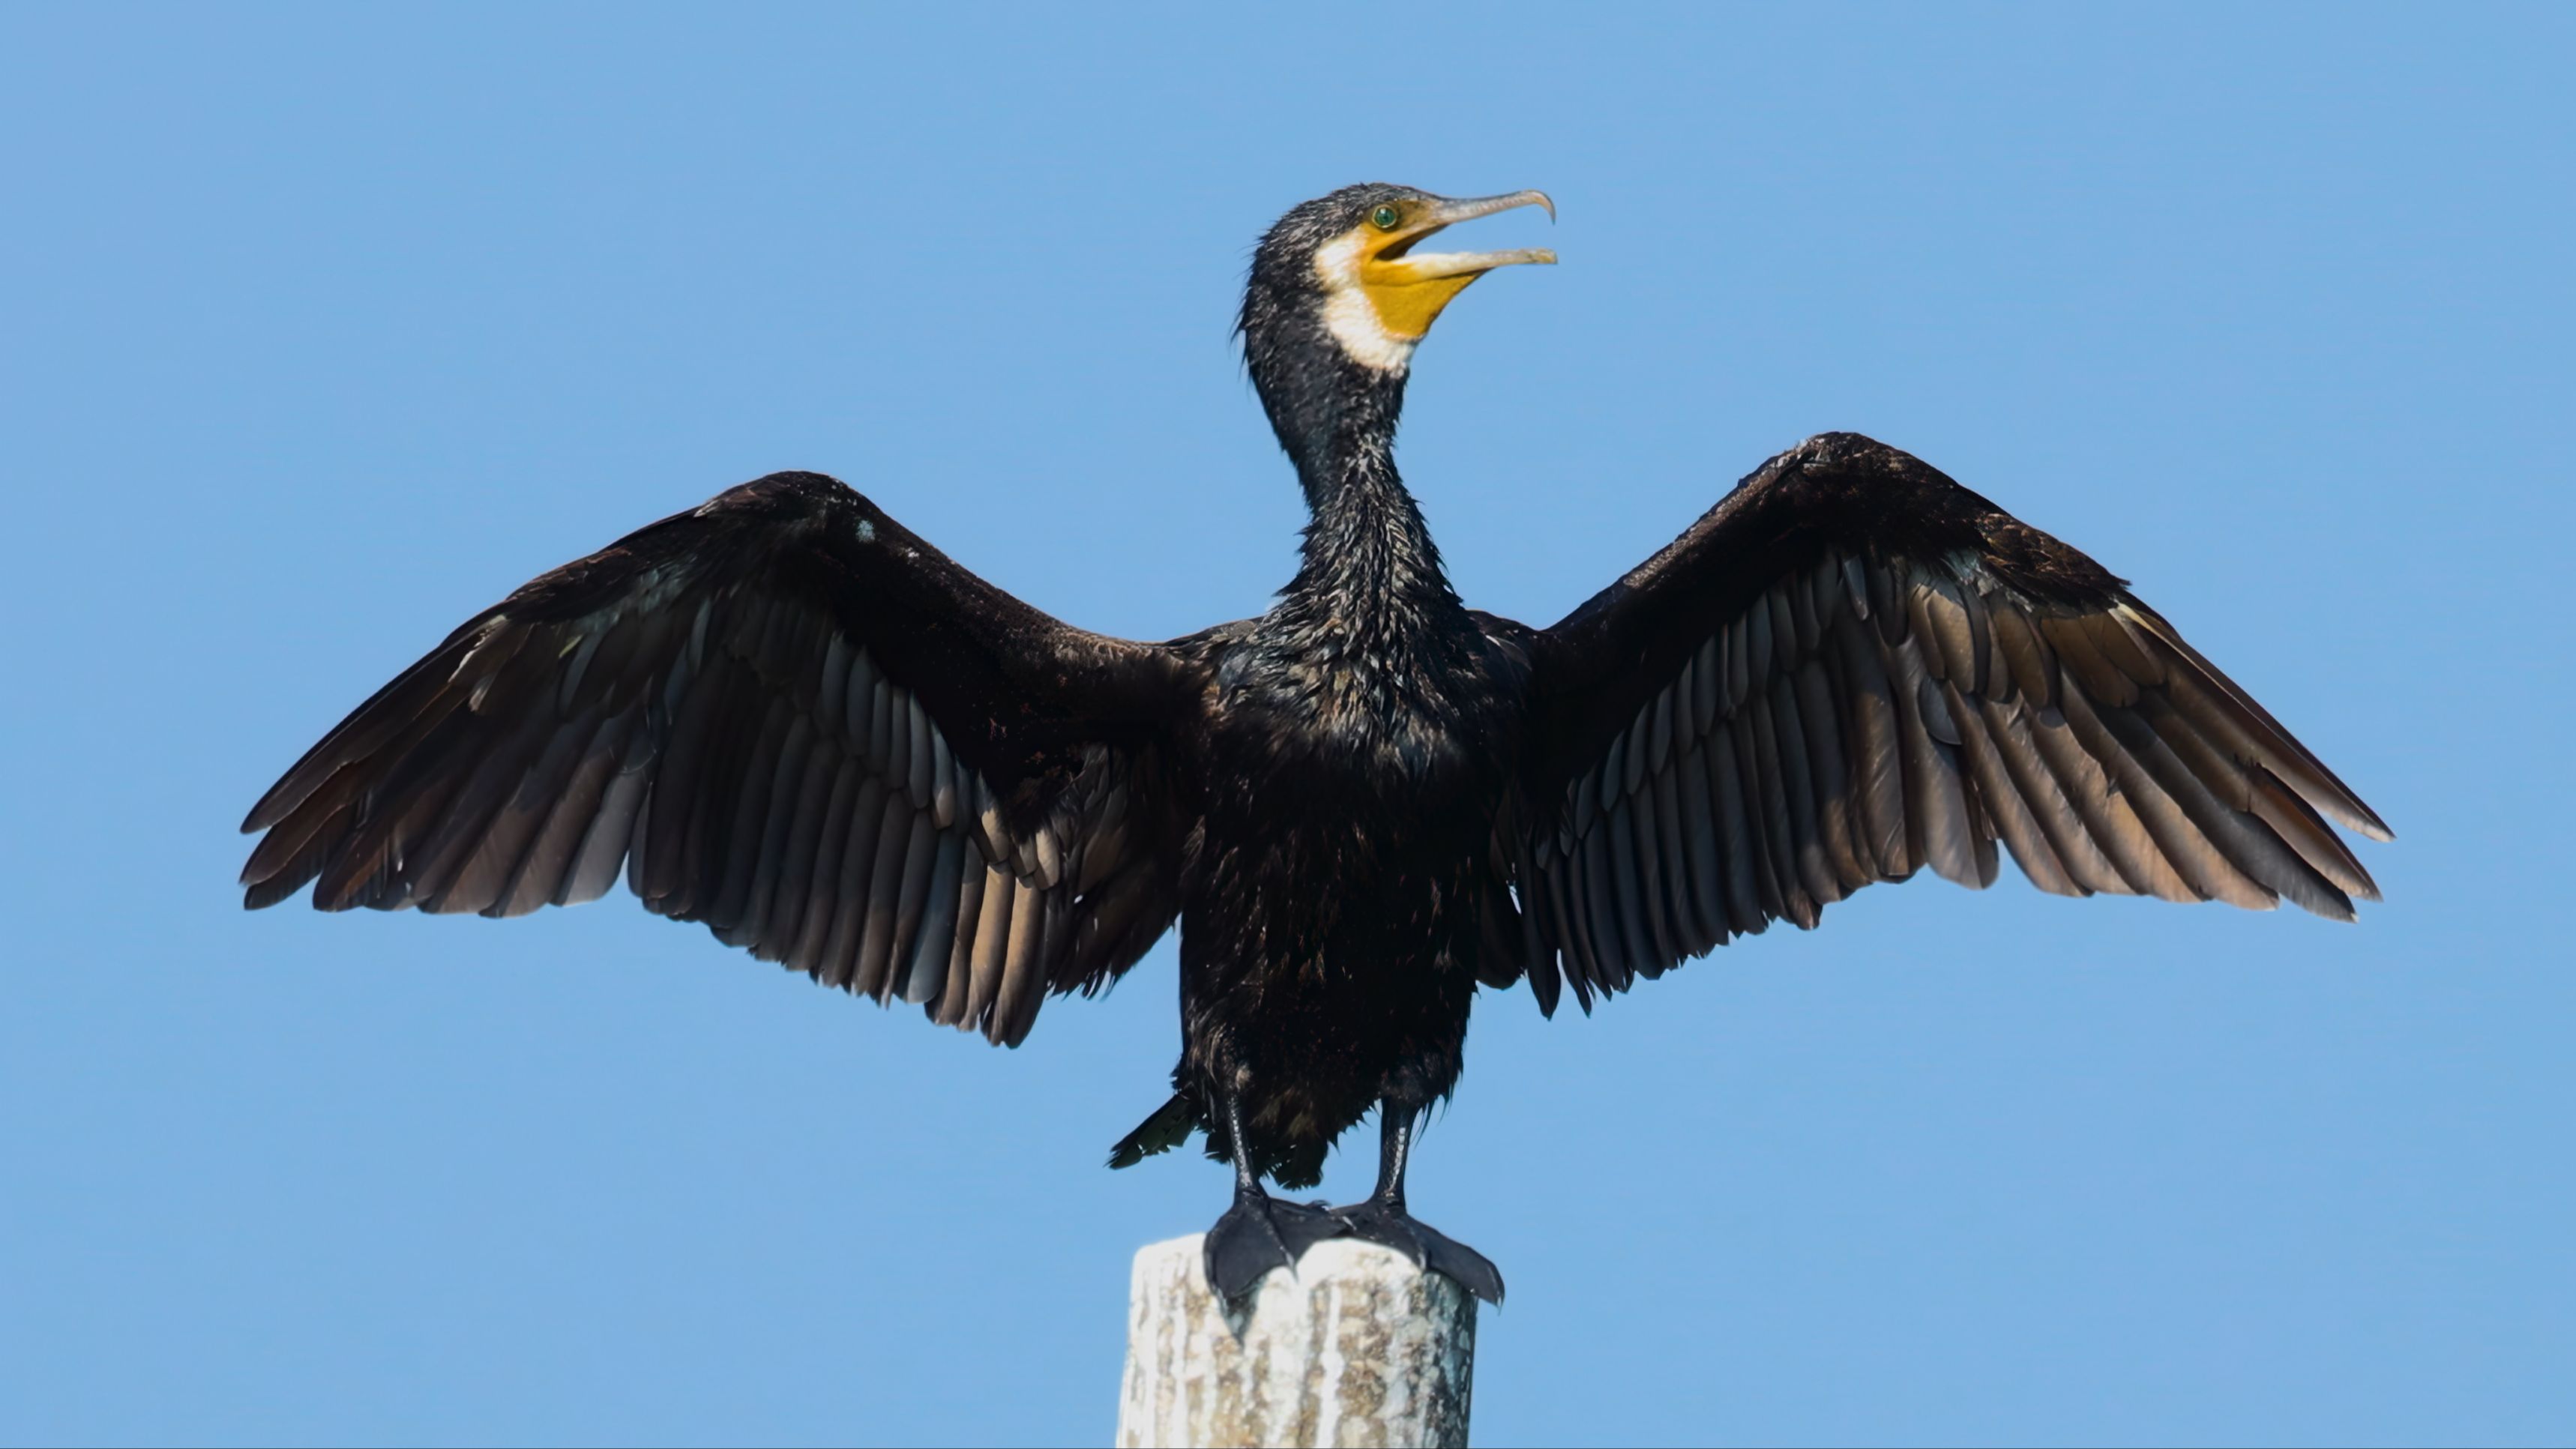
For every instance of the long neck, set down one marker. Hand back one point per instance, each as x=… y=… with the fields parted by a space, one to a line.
x=1370 y=566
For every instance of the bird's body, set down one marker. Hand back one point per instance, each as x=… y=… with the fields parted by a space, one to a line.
x=784 y=715
x=1359 y=743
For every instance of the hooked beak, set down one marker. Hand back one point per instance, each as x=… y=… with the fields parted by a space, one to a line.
x=1408 y=288
x=1396 y=263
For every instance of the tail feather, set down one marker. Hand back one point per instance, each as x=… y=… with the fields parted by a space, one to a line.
x=1169 y=1127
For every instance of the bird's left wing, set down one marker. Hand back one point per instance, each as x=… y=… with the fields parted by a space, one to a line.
x=786 y=716
x=1853 y=667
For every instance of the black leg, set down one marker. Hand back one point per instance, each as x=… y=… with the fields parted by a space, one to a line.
x=1383 y=1218
x=1258 y=1232
x=1394 y=1150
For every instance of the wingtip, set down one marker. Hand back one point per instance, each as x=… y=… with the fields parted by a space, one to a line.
x=265 y=812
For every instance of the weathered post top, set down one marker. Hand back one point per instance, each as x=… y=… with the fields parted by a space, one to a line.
x=1360 y=1347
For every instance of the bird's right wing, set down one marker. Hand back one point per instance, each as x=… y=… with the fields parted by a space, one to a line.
x=784 y=715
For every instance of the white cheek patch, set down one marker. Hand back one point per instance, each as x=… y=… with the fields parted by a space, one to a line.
x=1349 y=314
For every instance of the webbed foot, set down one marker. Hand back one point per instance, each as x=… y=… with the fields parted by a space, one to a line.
x=1258 y=1234
x=1377 y=1221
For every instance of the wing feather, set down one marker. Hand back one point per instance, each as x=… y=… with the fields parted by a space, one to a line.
x=1750 y=898
x=1707 y=867
x=784 y=716
x=1670 y=883
x=950 y=1009
x=782 y=919
x=912 y=899
x=1852 y=668
x=567 y=801
x=1829 y=778
x=614 y=830
x=811 y=953
x=934 y=936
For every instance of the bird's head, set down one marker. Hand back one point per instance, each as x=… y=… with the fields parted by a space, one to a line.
x=1337 y=287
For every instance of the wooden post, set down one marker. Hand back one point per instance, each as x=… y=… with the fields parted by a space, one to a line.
x=1359 y=1347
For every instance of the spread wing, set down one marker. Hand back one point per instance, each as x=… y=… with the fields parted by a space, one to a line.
x=785 y=716
x=1852 y=668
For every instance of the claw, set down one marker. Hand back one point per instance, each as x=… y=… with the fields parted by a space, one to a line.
x=1257 y=1236
x=1261 y=1234
x=1430 y=1249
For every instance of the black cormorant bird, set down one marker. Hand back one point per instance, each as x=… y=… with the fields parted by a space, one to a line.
x=782 y=714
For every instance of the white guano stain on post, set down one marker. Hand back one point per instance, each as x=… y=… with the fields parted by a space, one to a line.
x=1360 y=1347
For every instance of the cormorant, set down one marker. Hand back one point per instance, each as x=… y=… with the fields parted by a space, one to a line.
x=784 y=715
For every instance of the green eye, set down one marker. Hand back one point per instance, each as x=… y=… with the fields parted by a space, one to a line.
x=1384 y=218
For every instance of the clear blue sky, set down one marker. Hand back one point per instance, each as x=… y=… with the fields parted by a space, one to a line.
x=321 y=329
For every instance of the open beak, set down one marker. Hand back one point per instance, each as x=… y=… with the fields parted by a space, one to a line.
x=1408 y=288
x=1395 y=263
